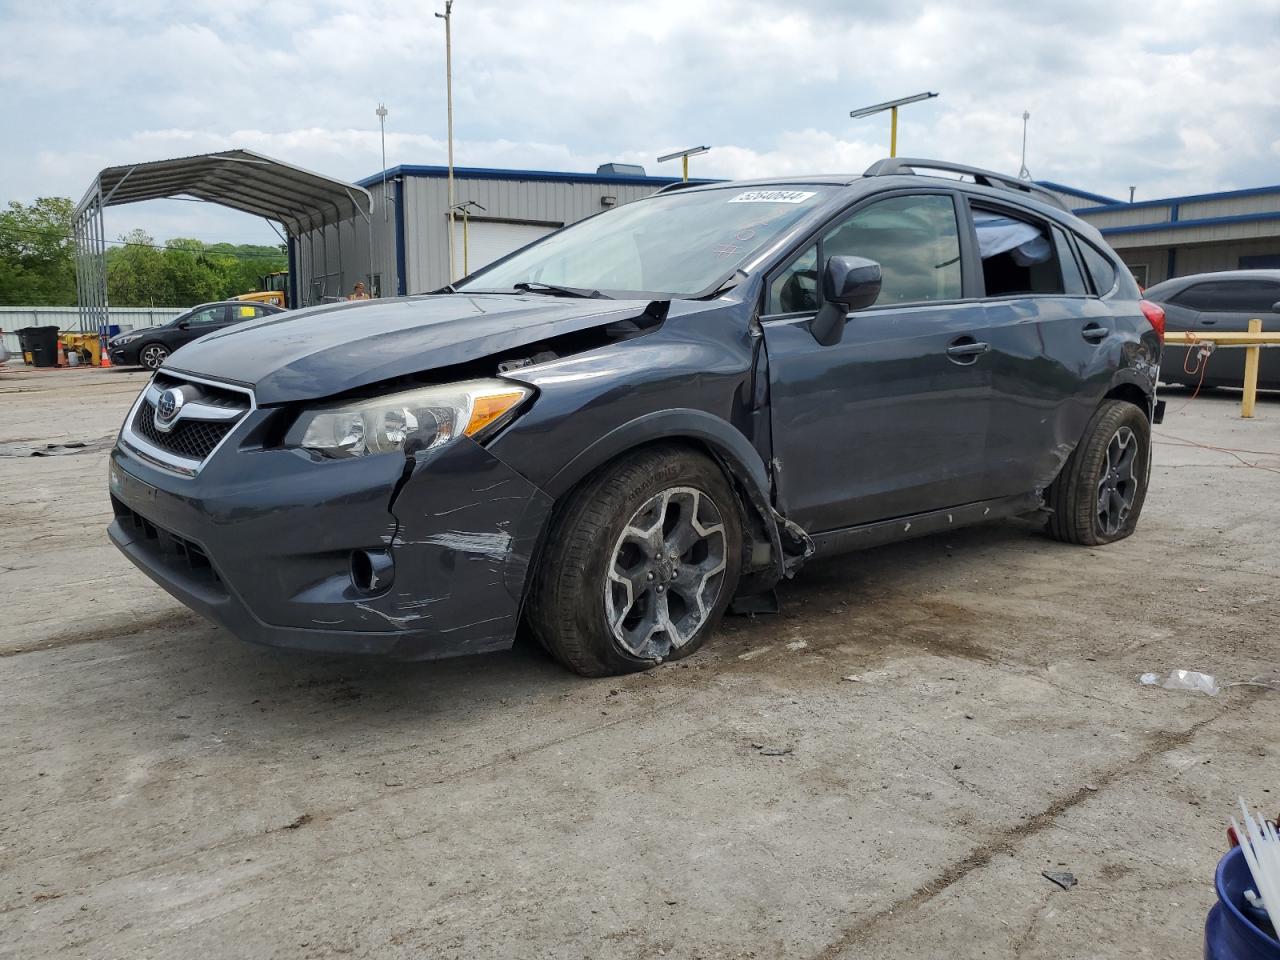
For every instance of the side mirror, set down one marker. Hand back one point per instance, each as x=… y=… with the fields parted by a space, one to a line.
x=1275 y=307
x=183 y=324
x=848 y=283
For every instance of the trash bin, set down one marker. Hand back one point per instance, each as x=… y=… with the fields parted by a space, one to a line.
x=1228 y=933
x=24 y=343
x=42 y=344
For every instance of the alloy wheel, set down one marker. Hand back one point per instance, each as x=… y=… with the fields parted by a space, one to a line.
x=153 y=356
x=666 y=572
x=1118 y=485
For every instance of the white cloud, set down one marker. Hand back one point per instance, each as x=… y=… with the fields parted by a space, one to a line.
x=1188 y=103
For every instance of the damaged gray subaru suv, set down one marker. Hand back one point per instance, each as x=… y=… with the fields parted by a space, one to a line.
x=613 y=433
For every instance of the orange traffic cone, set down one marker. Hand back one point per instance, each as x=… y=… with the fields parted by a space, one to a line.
x=105 y=361
x=62 y=353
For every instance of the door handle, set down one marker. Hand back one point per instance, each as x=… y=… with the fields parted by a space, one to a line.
x=966 y=350
x=1095 y=332
x=1207 y=322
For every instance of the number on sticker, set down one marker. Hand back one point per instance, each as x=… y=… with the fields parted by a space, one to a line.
x=772 y=196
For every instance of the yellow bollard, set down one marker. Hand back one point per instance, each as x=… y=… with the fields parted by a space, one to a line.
x=1251 y=357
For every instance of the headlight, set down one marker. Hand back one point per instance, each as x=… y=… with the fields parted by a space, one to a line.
x=124 y=338
x=410 y=421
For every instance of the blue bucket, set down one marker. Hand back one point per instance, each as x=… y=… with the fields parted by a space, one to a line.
x=1228 y=933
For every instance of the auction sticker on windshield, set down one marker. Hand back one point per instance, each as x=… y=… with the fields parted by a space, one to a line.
x=772 y=196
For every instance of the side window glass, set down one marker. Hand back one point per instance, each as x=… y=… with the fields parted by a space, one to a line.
x=1017 y=256
x=1253 y=296
x=914 y=239
x=1072 y=278
x=796 y=290
x=206 y=316
x=1101 y=270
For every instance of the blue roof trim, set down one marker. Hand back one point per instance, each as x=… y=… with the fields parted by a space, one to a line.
x=495 y=173
x=1193 y=198
x=1085 y=194
x=1184 y=224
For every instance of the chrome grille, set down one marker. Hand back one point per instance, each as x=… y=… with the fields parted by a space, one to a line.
x=200 y=417
x=193 y=439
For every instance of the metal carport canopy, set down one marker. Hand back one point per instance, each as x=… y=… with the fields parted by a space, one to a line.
x=297 y=199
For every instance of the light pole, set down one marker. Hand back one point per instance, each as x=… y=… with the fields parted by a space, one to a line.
x=447 y=17
x=684 y=156
x=382 y=122
x=465 y=209
x=1023 y=172
x=892 y=106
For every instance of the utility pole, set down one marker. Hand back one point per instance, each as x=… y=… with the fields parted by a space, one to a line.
x=382 y=122
x=447 y=17
x=1023 y=172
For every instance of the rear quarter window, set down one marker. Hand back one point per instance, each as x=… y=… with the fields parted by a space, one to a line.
x=1102 y=272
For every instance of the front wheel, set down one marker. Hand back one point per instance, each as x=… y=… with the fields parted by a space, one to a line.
x=152 y=355
x=1098 y=496
x=640 y=564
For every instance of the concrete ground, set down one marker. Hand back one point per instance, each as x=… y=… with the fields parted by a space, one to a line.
x=883 y=770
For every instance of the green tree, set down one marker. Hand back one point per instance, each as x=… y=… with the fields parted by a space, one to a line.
x=37 y=254
x=37 y=263
x=137 y=275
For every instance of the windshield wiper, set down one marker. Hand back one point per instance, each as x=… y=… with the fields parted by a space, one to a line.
x=556 y=290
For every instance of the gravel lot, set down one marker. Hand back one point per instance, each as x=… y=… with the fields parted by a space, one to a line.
x=883 y=770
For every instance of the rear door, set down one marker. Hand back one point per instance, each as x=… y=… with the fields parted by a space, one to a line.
x=892 y=420
x=1050 y=336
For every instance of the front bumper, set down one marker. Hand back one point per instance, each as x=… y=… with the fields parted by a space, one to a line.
x=126 y=356
x=260 y=541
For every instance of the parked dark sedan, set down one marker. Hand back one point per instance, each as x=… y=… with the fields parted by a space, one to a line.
x=615 y=431
x=151 y=347
x=1219 y=301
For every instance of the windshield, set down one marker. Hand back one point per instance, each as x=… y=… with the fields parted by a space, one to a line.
x=677 y=244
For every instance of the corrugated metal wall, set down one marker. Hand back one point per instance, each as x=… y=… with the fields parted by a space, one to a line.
x=555 y=203
x=330 y=261
x=68 y=318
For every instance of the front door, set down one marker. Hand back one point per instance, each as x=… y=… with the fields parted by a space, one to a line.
x=202 y=321
x=892 y=420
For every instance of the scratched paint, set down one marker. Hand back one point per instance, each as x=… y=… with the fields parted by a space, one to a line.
x=494 y=545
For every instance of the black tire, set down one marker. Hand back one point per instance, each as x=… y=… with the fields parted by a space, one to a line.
x=152 y=355
x=591 y=540
x=1076 y=498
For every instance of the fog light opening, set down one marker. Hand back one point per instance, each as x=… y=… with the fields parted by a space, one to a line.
x=371 y=570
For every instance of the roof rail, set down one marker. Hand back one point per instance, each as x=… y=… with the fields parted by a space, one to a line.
x=680 y=185
x=987 y=178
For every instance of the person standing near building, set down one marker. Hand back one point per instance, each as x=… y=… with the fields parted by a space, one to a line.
x=358 y=292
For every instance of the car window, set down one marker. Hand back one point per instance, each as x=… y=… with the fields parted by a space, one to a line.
x=1229 y=296
x=207 y=315
x=914 y=239
x=246 y=311
x=1101 y=270
x=1072 y=277
x=1018 y=256
x=679 y=244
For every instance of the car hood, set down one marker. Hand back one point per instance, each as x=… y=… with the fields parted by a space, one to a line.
x=327 y=350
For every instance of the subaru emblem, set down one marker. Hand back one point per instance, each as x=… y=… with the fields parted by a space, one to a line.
x=167 y=409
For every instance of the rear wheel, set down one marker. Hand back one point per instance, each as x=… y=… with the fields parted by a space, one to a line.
x=640 y=565
x=1098 y=496
x=152 y=355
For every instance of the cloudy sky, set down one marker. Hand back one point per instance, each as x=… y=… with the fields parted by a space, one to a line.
x=1174 y=97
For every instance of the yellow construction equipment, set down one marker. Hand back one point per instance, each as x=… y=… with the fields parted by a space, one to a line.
x=271 y=289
